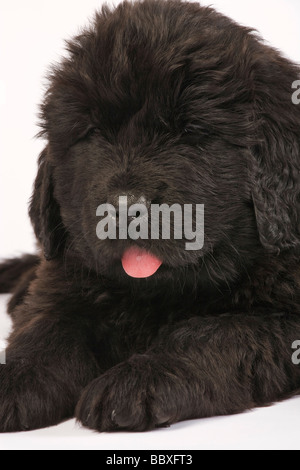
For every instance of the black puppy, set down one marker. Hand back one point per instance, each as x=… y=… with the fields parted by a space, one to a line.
x=164 y=102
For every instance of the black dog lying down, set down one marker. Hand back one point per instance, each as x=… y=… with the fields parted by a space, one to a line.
x=164 y=102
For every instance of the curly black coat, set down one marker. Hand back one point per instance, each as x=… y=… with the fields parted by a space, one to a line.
x=178 y=103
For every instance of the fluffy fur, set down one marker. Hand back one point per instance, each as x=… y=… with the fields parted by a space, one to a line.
x=175 y=102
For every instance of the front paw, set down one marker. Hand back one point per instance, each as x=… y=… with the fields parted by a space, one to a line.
x=137 y=395
x=28 y=398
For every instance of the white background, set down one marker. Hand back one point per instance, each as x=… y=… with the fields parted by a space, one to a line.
x=31 y=37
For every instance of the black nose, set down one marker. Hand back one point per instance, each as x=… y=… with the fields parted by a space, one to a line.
x=128 y=206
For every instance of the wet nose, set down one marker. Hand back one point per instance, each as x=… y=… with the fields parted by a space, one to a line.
x=128 y=206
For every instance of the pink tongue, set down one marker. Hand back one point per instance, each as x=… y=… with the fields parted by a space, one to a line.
x=139 y=263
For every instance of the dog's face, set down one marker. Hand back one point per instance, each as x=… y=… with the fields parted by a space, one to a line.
x=168 y=102
x=161 y=167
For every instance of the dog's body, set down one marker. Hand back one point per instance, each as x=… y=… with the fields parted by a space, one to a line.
x=178 y=104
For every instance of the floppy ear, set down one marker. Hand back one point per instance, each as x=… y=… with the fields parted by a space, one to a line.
x=275 y=160
x=44 y=211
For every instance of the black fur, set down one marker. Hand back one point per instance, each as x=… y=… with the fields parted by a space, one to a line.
x=177 y=103
x=13 y=269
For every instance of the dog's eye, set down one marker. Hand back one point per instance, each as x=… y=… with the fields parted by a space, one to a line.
x=86 y=134
x=83 y=136
x=90 y=132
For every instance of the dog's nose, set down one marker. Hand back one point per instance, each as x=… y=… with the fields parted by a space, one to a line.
x=128 y=206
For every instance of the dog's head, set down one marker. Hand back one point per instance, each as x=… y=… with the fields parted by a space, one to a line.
x=169 y=102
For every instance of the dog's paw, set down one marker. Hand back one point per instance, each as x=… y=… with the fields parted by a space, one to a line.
x=15 y=409
x=137 y=395
x=28 y=398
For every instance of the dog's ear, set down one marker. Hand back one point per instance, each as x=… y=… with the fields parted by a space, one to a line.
x=44 y=211
x=275 y=159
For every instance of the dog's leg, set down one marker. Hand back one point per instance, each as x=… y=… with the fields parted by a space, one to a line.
x=48 y=363
x=207 y=366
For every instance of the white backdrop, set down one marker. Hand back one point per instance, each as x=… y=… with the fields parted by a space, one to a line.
x=31 y=37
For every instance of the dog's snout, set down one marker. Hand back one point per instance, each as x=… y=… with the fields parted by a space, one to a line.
x=128 y=205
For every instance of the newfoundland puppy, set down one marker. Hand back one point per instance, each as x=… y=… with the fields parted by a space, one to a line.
x=161 y=103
